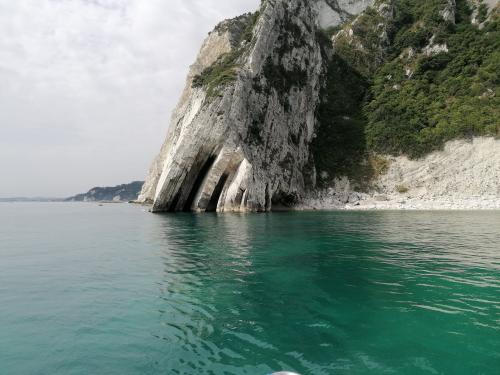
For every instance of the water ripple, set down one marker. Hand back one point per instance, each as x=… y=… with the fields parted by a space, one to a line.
x=314 y=293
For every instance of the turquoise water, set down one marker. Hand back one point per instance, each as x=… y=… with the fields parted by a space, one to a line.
x=115 y=290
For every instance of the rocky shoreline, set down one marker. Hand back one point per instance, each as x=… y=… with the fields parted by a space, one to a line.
x=464 y=175
x=363 y=202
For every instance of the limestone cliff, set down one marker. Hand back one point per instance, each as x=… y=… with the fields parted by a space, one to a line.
x=239 y=137
x=284 y=105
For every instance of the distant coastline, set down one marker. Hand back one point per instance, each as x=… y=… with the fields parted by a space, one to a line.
x=116 y=194
x=30 y=199
x=120 y=193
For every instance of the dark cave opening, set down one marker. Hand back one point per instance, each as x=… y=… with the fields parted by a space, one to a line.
x=214 y=200
x=197 y=183
x=174 y=203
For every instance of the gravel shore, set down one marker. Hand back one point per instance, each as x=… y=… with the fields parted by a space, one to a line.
x=465 y=175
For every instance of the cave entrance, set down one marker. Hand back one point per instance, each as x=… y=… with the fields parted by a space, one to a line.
x=197 y=183
x=283 y=201
x=214 y=199
x=175 y=202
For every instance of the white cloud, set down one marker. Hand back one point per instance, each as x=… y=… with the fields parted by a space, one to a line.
x=87 y=86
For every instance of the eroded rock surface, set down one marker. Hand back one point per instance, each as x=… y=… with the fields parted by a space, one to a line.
x=273 y=97
x=239 y=137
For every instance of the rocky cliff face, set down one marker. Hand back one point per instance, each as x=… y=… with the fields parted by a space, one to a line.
x=332 y=13
x=239 y=137
x=282 y=104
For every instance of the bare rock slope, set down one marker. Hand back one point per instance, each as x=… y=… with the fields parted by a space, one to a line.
x=464 y=175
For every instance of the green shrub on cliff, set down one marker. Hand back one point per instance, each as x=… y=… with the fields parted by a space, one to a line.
x=224 y=71
x=340 y=146
x=219 y=74
x=431 y=82
x=449 y=95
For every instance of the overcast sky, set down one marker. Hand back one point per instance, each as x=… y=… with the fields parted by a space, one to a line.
x=87 y=87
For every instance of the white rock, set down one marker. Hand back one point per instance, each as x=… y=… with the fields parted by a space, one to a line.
x=464 y=175
x=247 y=148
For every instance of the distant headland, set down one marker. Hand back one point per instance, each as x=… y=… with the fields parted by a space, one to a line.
x=119 y=193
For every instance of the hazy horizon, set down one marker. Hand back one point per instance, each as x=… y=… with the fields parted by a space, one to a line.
x=88 y=87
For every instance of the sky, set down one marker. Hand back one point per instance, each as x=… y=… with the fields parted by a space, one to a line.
x=87 y=87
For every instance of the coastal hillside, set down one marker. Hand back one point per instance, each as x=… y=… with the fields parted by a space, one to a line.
x=120 y=193
x=284 y=103
x=405 y=78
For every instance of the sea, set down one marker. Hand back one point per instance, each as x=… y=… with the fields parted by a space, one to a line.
x=114 y=289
